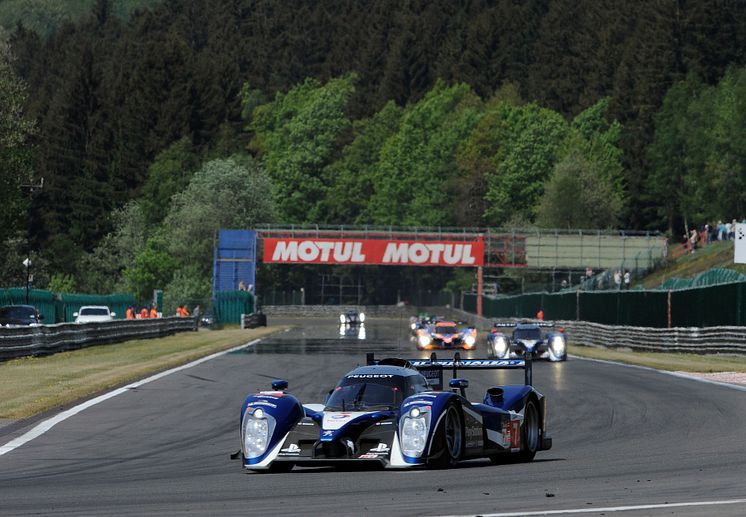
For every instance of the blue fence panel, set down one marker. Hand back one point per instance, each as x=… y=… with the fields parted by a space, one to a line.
x=234 y=261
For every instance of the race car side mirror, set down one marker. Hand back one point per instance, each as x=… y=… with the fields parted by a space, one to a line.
x=279 y=385
x=460 y=384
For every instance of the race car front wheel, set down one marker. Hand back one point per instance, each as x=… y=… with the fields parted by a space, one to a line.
x=449 y=439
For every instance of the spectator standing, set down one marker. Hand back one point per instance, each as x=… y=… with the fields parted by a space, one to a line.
x=130 y=314
x=627 y=279
x=144 y=313
x=617 y=279
x=153 y=312
x=693 y=237
x=540 y=315
x=732 y=232
x=726 y=233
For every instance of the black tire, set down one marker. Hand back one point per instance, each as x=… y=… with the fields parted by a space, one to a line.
x=530 y=433
x=449 y=439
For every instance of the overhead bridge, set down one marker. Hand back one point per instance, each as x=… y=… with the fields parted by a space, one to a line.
x=534 y=249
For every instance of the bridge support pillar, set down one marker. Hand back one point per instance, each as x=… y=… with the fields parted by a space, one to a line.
x=480 y=289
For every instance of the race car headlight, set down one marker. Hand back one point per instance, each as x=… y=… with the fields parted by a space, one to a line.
x=256 y=431
x=413 y=326
x=501 y=346
x=414 y=432
x=558 y=345
x=362 y=317
x=425 y=340
x=342 y=318
x=470 y=340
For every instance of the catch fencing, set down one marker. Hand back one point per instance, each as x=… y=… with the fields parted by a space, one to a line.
x=50 y=339
x=710 y=306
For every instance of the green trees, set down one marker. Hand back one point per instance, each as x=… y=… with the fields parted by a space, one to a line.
x=16 y=131
x=224 y=193
x=698 y=159
x=295 y=136
x=521 y=143
x=411 y=183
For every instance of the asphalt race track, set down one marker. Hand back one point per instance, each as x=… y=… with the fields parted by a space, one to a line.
x=623 y=438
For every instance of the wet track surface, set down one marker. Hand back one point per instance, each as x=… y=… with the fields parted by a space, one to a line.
x=622 y=437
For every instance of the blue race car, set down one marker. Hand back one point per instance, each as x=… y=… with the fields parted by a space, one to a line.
x=525 y=337
x=389 y=413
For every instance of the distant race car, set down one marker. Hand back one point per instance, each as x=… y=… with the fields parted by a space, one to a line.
x=389 y=413
x=352 y=318
x=550 y=345
x=421 y=321
x=446 y=334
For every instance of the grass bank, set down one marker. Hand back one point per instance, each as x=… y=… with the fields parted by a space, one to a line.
x=692 y=363
x=32 y=385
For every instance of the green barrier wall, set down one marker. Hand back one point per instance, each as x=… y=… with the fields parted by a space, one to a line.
x=69 y=303
x=709 y=306
x=229 y=305
x=58 y=308
x=44 y=301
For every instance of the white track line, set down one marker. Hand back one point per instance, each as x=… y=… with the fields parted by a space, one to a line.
x=666 y=372
x=46 y=425
x=610 y=509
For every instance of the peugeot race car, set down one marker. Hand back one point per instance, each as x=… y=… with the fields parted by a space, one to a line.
x=527 y=337
x=352 y=318
x=387 y=413
x=446 y=334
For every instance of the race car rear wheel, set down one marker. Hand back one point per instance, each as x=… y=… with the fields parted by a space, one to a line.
x=449 y=439
x=530 y=434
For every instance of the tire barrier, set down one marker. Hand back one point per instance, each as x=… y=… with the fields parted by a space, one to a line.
x=254 y=320
x=50 y=339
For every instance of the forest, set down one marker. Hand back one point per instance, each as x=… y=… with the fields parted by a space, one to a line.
x=154 y=123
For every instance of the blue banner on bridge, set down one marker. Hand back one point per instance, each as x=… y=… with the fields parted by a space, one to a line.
x=234 y=262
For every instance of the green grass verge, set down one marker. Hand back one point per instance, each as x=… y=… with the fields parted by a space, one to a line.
x=717 y=254
x=32 y=385
x=693 y=363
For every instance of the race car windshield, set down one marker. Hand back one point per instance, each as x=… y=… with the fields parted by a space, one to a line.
x=446 y=329
x=366 y=395
x=533 y=334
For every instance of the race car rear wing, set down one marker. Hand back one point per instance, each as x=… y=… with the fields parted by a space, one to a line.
x=433 y=367
x=511 y=325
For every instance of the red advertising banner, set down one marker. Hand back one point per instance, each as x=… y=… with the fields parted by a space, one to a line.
x=381 y=252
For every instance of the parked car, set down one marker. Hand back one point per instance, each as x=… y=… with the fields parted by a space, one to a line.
x=20 y=315
x=93 y=313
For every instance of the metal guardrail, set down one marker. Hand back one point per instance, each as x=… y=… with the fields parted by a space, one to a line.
x=694 y=340
x=50 y=339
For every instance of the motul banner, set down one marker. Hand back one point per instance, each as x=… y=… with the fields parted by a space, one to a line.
x=381 y=252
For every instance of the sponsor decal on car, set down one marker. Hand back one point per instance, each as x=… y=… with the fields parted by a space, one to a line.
x=368 y=456
x=381 y=448
x=292 y=449
x=370 y=376
x=263 y=403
